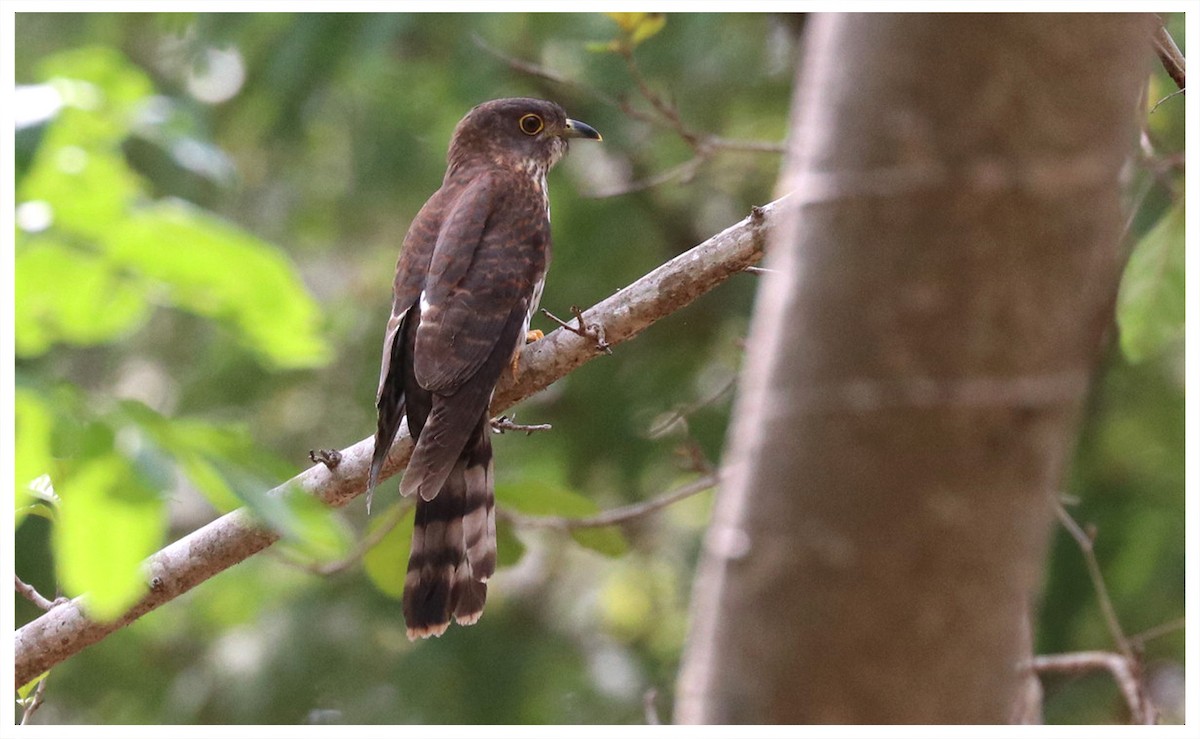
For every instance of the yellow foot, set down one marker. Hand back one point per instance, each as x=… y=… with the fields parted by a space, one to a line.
x=530 y=337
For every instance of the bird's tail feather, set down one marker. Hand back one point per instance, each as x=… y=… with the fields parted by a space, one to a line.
x=454 y=545
x=390 y=404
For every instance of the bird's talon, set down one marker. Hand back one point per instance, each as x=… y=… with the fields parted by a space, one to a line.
x=533 y=335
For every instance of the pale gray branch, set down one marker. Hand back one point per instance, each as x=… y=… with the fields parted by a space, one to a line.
x=179 y=567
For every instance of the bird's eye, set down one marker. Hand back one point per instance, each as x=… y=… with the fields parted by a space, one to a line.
x=531 y=124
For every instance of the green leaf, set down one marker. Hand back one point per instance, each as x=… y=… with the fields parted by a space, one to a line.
x=607 y=540
x=635 y=28
x=211 y=268
x=88 y=188
x=386 y=563
x=26 y=691
x=540 y=498
x=66 y=295
x=202 y=449
x=1150 y=305
x=32 y=457
x=108 y=70
x=648 y=25
x=109 y=522
x=535 y=497
x=509 y=548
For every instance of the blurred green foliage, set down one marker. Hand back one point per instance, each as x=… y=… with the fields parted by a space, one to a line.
x=1150 y=307
x=209 y=210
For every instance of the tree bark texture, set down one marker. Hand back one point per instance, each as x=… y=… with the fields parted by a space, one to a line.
x=947 y=261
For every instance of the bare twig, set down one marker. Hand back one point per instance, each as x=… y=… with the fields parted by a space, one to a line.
x=762 y=147
x=536 y=70
x=33 y=596
x=504 y=423
x=393 y=518
x=1093 y=566
x=667 y=112
x=34 y=702
x=593 y=331
x=1170 y=56
x=681 y=414
x=1139 y=640
x=1165 y=98
x=236 y=536
x=1123 y=671
x=615 y=515
x=684 y=172
x=663 y=114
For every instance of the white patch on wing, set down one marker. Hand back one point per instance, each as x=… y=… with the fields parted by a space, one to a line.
x=425 y=306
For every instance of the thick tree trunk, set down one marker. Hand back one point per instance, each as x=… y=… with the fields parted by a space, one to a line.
x=947 y=263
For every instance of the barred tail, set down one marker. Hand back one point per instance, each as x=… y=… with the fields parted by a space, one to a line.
x=454 y=545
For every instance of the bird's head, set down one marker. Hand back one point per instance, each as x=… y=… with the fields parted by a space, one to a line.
x=519 y=133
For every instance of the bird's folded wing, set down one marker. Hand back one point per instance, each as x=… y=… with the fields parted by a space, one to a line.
x=480 y=270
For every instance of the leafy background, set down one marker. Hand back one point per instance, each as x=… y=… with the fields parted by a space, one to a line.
x=209 y=209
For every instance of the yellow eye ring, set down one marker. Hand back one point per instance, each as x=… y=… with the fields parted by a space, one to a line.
x=531 y=124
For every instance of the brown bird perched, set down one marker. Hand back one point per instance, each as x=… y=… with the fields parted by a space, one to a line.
x=468 y=280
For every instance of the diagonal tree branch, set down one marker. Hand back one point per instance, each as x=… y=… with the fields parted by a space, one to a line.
x=181 y=566
x=1170 y=56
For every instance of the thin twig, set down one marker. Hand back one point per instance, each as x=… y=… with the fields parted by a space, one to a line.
x=365 y=544
x=536 y=70
x=615 y=515
x=1123 y=671
x=33 y=596
x=593 y=331
x=1165 y=98
x=663 y=114
x=1154 y=632
x=504 y=423
x=368 y=542
x=668 y=113
x=684 y=172
x=762 y=147
x=1093 y=566
x=34 y=701
x=682 y=413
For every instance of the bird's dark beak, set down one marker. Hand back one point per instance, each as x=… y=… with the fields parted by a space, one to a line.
x=580 y=130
